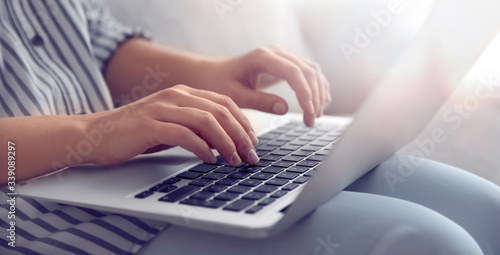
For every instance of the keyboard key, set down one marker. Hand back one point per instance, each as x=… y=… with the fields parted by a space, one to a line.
x=293 y=158
x=328 y=139
x=220 y=161
x=290 y=186
x=297 y=169
x=267 y=201
x=189 y=175
x=301 y=153
x=271 y=157
x=226 y=196
x=289 y=147
x=276 y=143
x=319 y=143
x=307 y=163
x=310 y=173
x=266 y=188
x=280 y=152
x=268 y=136
x=167 y=188
x=261 y=176
x=238 y=205
x=209 y=203
x=255 y=195
x=323 y=153
x=201 y=182
x=254 y=209
x=225 y=170
x=311 y=148
x=238 y=189
x=215 y=188
x=157 y=187
x=316 y=158
x=279 y=193
x=287 y=175
x=202 y=195
x=301 y=180
x=315 y=133
x=294 y=134
x=263 y=163
x=267 y=148
x=250 y=182
x=144 y=194
x=171 y=180
x=299 y=142
x=272 y=170
x=283 y=163
x=250 y=169
x=239 y=165
x=203 y=168
x=227 y=181
x=286 y=138
x=238 y=175
x=179 y=194
x=277 y=182
x=307 y=138
x=213 y=176
x=261 y=153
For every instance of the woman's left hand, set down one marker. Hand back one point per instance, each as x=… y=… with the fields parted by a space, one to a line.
x=238 y=78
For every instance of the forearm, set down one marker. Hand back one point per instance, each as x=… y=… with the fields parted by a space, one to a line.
x=43 y=144
x=139 y=68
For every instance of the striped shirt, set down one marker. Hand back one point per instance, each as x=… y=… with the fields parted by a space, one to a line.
x=52 y=57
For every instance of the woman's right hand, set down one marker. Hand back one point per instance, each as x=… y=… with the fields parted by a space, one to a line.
x=193 y=119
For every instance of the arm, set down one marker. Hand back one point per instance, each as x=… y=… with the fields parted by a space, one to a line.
x=133 y=63
x=195 y=120
x=42 y=143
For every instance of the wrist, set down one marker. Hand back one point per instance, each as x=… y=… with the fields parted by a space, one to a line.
x=92 y=129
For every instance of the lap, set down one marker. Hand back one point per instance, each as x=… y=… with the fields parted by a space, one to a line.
x=467 y=199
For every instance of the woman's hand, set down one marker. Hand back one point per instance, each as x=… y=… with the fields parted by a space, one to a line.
x=238 y=78
x=193 y=119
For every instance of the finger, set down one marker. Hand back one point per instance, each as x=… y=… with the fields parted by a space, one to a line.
x=322 y=83
x=328 y=91
x=229 y=104
x=206 y=126
x=215 y=124
x=311 y=75
x=261 y=101
x=228 y=122
x=178 y=135
x=265 y=62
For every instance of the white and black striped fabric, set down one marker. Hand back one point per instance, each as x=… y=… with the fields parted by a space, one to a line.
x=52 y=54
x=52 y=57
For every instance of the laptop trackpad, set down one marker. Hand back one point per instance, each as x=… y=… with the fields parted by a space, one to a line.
x=127 y=177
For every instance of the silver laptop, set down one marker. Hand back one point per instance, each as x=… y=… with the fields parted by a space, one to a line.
x=300 y=167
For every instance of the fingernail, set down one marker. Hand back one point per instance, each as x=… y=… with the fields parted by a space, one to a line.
x=279 y=108
x=235 y=159
x=211 y=158
x=253 y=137
x=252 y=157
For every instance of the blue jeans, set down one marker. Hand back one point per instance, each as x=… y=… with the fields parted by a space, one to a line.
x=403 y=206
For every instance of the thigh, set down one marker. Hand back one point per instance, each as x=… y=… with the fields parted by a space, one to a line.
x=468 y=200
x=350 y=223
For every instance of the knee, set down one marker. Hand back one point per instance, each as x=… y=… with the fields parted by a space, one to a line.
x=411 y=239
x=425 y=232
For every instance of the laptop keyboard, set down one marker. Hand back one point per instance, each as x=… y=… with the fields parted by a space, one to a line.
x=288 y=155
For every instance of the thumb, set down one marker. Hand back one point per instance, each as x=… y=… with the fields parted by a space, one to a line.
x=258 y=100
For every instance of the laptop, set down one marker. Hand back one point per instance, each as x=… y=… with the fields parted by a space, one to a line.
x=300 y=167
